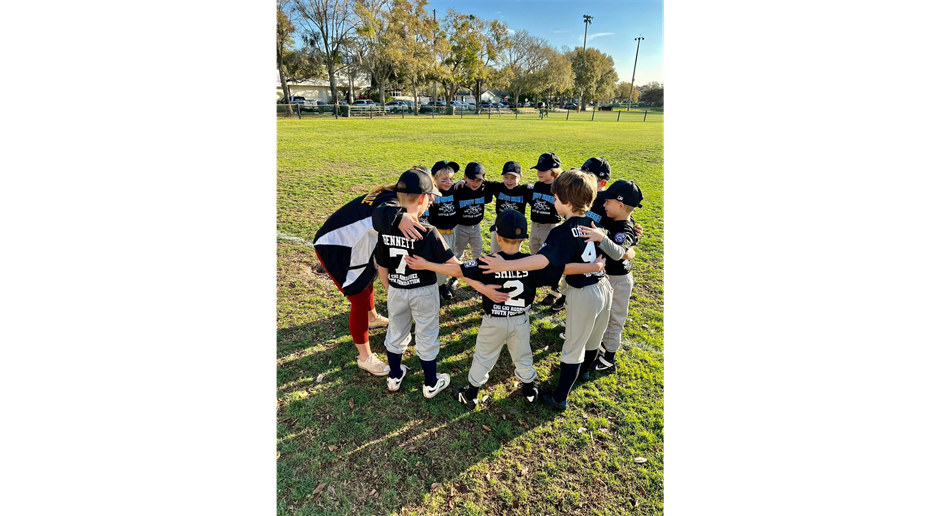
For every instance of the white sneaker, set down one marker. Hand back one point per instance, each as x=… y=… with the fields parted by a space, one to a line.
x=443 y=380
x=395 y=383
x=373 y=365
x=562 y=335
x=379 y=322
x=562 y=324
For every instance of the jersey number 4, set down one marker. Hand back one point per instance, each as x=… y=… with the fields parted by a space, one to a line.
x=590 y=253
x=394 y=251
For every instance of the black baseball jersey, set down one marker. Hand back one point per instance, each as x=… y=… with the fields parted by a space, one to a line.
x=444 y=210
x=520 y=285
x=393 y=246
x=623 y=233
x=345 y=244
x=598 y=214
x=509 y=199
x=566 y=245
x=543 y=204
x=470 y=204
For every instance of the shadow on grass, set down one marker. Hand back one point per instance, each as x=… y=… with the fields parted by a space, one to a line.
x=378 y=451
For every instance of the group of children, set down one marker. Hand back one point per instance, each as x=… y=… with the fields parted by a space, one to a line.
x=581 y=233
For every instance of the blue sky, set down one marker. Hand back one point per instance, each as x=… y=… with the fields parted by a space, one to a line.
x=561 y=22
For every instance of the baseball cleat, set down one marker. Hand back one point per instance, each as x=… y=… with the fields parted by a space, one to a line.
x=443 y=380
x=460 y=395
x=559 y=304
x=395 y=383
x=532 y=399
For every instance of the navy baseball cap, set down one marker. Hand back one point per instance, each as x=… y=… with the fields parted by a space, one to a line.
x=547 y=161
x=512 y=167
x=510 y=224
x=626 y=192
x=416 y=180
x=444 y=163
x=474 y=170
x=597 y=166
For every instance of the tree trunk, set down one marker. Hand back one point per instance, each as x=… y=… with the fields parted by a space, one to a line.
x=414 y=89
x=285 y=89
x=331 y=68
x=381 y=101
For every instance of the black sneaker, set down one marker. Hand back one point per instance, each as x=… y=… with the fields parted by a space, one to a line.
x=602 y=363
x=559 y=304
x=460 y=394
x=445 y=294
x=532 y=399
x=548 y=301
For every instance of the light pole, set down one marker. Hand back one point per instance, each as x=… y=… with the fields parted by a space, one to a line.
x=638 y=40
x=587 y=21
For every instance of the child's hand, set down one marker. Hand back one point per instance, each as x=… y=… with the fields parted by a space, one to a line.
x=459 y=184
x=592 y=233
x=493 y=263
x=638 y=229
x=410 y=227
x=601 y=261
x=416 y=262
x=492 y=292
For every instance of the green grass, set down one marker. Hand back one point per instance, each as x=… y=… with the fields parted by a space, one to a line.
x=389 y=449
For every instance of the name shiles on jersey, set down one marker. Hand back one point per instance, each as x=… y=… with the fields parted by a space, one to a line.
x=398 y=241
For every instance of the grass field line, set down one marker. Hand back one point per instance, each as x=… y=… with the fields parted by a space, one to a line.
x=292 y=238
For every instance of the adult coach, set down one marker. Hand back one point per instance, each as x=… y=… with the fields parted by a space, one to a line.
x=344 y=245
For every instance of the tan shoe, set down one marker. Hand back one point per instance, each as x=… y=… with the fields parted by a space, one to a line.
x=379 y=322
x=373 y=365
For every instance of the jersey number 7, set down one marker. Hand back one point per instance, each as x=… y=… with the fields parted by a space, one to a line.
x=394 y=251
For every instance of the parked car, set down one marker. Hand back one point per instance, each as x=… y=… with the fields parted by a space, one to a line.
x=301 y=103
x=364 y=102
x=485 y=104
x=502 y=105
x=571 y=105
x=396 y=106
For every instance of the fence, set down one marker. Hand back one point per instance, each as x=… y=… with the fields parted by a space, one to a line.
x=405 y=112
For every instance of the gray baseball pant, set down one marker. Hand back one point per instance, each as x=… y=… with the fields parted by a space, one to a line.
x=465 y=235
x=423 y=305
x=514 y=331
x=623 y=288
x=587 y=311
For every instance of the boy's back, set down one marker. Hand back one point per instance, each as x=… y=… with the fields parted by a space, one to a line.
x=393 y=246
x=566 y=245
x=520 y=285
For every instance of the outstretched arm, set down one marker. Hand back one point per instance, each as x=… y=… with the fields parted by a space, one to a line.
x=490 y=291
x=586 y=268
x=451 y=268
x=496 y=263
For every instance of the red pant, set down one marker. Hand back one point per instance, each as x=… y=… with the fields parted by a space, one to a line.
x=362 y=304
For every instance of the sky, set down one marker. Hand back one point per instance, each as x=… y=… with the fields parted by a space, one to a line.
x=561 y=22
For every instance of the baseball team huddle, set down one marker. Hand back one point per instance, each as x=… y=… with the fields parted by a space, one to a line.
x=411 y=233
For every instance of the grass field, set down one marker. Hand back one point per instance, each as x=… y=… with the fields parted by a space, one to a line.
x=348 y=446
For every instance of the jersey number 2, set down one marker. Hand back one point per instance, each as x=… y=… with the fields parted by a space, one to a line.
x=517 y=289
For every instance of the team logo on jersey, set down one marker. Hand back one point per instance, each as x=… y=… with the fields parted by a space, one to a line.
x=446 y=209
x=510 y=206
x=541 y=205
x=471 y=263
x=473 y=210
x=619 y=237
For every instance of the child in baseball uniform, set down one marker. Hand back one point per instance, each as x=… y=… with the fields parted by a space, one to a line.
x=616 y=238
x=506 y=322
x=543 y=213
x=444 y=216
x=470 y=204
x=590 y=294
x=412 y=294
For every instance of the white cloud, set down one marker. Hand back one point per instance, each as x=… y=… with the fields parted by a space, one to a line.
x=599 y=34
x=560 y=31
x=511 y=32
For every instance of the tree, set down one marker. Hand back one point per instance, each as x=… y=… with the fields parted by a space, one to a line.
x=594 y=73
x=493 y=39
x=285 y=38
x=623 y=91
x=554 y=74
x=374 y=40
x=459 y=62
x=328 y=27
x=524 y=56
x=412 y=35
x=653 y=96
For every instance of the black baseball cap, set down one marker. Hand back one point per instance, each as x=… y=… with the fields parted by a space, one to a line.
x=547 y=161
x=474 y=170
x=597 y=166
x=510 y=224
x=626 y=192
x=444 y=163
x=512 y=167
x=416 y=180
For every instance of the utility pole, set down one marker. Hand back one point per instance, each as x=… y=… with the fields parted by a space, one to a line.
x=587 y=21
x=434 y=100
x=630 y=98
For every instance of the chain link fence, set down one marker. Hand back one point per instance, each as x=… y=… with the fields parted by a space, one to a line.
x=616 y=114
